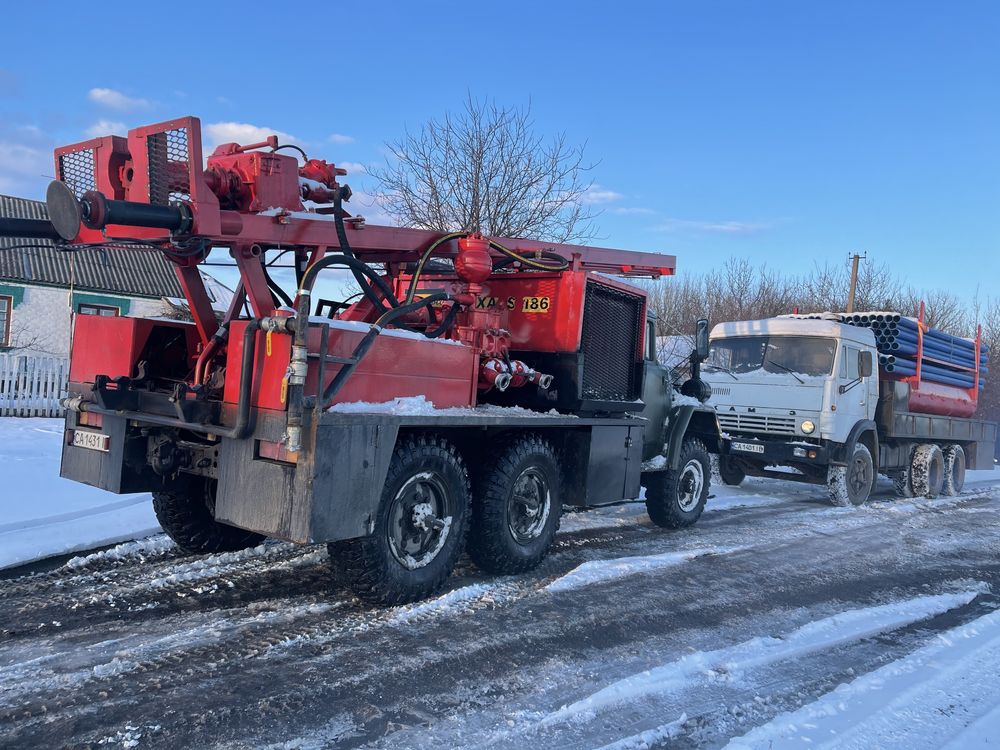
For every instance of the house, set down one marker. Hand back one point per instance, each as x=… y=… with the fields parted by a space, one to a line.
x=42 y=286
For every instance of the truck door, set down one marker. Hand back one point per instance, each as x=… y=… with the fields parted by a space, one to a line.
x=656 y=396
x=854 y=401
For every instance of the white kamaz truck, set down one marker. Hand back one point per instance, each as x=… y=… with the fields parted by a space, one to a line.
x=802 y=399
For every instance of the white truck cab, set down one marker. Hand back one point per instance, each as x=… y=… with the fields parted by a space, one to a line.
x=799 y=378
x=799 y=398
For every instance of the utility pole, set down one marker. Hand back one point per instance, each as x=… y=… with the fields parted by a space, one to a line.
x=854 y=280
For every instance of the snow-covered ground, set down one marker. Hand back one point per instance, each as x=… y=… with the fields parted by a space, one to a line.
x=777 y=621
x=43 y=515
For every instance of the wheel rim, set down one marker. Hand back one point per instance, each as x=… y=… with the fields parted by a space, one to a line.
x=691 y=483
x=859 y=478
x=419 y=520
x=529 y=506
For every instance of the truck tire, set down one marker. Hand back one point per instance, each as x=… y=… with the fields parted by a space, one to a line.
x=954 y=470
x=852 y=484
x=927 y=471
x=516 y=504
x=186 y=512
x=675 y=498
x=901 y=483
x=420 y=526
x=730 y=473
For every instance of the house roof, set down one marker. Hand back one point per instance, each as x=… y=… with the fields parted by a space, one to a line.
x=129 y=271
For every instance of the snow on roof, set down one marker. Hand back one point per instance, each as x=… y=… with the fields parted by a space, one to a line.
x=793 y=327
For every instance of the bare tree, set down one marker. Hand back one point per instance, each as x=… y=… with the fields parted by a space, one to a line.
x=485 y=169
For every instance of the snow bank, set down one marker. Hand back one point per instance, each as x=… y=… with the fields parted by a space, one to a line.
x=44 y=515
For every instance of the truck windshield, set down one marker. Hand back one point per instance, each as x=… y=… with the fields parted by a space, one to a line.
x=805 y=355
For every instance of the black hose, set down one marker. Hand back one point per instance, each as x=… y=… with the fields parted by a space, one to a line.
x=276 y=291
x=561 y=264
x=510 y=260
x=349 y=261
x=345 y=248
x=412 y=290
x=292 y=145
x=446 y=322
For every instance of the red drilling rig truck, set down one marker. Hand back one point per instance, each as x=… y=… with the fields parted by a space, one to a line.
x=533 y=365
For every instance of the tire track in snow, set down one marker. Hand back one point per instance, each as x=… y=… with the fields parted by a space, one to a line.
x=943 y=694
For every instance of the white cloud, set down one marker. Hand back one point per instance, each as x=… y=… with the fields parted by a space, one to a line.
x=598 y=194
x=26 y=169
x=716 y=227
x=632 y=210
x=106 y=127
x=116 y=99
x=352 y=167
x=340 y=138
x=242 y=133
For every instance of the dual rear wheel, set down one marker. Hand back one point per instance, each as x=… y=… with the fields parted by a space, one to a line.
x=429 y=506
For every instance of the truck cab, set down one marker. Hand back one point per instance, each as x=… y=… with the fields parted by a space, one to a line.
x=799 y=398
x=792 y=393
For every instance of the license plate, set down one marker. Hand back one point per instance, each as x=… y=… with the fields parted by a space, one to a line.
x=94 y=441
x=748 y=447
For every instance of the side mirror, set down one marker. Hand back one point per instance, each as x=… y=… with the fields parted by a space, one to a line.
x=865 y=364
x=701 y=339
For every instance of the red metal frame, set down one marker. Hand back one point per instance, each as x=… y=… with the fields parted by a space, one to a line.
x=251 y=201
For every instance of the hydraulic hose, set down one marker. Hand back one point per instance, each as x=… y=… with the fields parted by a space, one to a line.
x=345 y=248
x=558 y=263
x=275 y=288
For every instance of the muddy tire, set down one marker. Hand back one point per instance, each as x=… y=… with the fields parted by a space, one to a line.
x=954 y=470
x=730 y=473
x=516 y=504
x=420 y=526
x=675 y=498
x=901 y=483
x=852 y=484
x=187 y=513
x=927 y=471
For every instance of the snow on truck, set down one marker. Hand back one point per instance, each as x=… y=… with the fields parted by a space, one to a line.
x=535 y=368
x=840 y=398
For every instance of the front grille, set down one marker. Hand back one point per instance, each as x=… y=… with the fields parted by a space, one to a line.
x=733 y=422
x=610 y=344
x=169 y=170
x=76 y=169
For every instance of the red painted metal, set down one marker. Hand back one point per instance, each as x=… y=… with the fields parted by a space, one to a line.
x=396 y=366
x=112 y=346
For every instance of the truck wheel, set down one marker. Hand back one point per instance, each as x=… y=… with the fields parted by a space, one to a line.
x=420 y=526
x=901 y=483
x=675 y=498
x=730 y=473
x=954 y=470
x=515 y=507
x=852 y=484
x=186 y=512
x=927 y=471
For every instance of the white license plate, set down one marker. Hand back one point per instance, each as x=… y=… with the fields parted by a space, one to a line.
x=748 y=447
x=94 y=441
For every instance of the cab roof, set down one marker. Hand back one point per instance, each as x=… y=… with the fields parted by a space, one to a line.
x=794 y=327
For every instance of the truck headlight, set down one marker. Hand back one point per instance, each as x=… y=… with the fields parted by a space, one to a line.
x=807 y=426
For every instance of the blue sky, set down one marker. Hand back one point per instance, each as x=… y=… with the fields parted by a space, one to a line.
x=785 y=132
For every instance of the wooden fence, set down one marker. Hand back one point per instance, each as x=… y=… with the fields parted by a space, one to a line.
x=32 y=386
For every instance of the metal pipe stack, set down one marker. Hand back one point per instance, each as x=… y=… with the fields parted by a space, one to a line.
x=946 y=359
